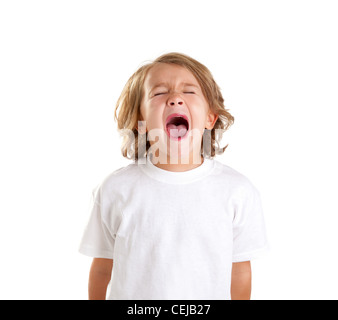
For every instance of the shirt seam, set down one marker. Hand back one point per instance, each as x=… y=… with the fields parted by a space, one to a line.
x=211 y=170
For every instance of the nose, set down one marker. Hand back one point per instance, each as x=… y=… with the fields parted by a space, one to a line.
x=175 y=100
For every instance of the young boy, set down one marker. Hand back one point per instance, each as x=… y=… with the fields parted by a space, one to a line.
x=174 y=224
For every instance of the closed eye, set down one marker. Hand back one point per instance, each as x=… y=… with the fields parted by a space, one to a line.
x=189 y=92
x=158 y=94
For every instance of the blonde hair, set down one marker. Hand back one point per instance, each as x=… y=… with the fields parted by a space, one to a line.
x=130 y=99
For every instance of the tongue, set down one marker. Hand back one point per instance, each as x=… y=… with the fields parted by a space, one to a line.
x=177 y=131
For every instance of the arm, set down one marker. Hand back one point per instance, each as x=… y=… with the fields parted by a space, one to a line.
x=241 y=281
x=99 y=277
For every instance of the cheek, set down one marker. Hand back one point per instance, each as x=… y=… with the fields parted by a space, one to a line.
x=198 y=106
x=198 y=118
x=154 y=116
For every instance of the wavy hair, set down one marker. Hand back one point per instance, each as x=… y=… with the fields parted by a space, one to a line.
x=127 y=110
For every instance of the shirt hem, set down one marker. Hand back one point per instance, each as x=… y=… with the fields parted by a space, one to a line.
x=91 y=252
x=250 y=255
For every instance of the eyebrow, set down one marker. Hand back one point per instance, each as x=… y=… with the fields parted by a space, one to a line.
x=184 y=84
x=162 y=84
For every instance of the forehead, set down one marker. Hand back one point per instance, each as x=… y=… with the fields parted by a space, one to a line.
x=171 y=74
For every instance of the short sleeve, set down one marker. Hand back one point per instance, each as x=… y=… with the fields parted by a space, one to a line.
x=249 y=232
x=99 y=237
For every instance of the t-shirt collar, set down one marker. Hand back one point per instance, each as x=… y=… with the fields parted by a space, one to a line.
x=174 y=177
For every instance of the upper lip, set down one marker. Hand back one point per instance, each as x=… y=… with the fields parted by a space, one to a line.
x=173 y=115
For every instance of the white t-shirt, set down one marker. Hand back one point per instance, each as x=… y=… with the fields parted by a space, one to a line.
x=174 y=235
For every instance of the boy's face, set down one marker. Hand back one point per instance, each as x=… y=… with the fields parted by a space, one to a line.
x=175 y=110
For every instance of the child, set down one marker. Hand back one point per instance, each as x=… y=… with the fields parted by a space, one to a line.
x=175 y=223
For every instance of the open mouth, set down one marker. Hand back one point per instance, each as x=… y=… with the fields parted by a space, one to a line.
x=177 y=126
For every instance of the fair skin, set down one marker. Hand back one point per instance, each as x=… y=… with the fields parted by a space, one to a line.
x=170 y=89
x=241 y=281
x=99 y=277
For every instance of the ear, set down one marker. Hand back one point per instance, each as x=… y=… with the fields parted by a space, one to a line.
x=211 y=120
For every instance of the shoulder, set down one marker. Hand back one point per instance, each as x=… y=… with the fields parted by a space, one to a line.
x=233 y=179
x=117 y=180
x=120 y=174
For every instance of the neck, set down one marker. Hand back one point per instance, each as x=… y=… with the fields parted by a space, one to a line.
x=181 y=165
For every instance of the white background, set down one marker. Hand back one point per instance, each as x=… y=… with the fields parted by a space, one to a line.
x=63 y=65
